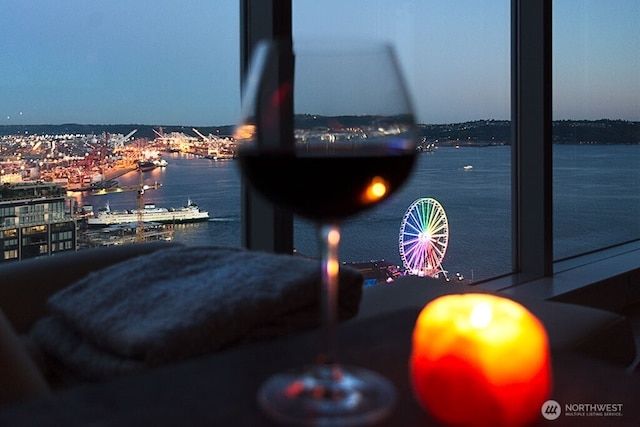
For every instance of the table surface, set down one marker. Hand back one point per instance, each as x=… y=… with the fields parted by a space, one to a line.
x=220 y=389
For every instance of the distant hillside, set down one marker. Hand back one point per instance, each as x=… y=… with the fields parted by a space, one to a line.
x=479 y=132
x=596 y=131
x=497 y=132
x=144 y=131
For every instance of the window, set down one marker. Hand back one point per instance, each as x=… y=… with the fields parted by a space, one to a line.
x=11 y=254
x=456 y=60
x=596 y=129
x=10 y=233
x=586 y=280
x=37 y=229
x=88 y=72
x=515 y=239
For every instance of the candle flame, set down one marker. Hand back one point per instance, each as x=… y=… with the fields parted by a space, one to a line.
x=480 y=316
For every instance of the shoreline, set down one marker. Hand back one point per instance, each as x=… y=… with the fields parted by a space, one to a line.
x=109 y=175
x=116 y=173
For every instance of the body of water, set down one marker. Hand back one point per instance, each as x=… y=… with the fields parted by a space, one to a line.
x=596 y=203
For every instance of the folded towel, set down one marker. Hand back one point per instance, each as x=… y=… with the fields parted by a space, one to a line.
x=183 y=302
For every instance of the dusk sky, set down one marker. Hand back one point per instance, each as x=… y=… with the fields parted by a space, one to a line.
x=165 y=62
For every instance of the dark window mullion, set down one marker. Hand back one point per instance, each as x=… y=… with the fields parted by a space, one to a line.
x=532 y=143
x=263 y=226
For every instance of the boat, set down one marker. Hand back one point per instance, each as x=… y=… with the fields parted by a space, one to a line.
x=103 y=185
x=122 y=234
x=150 y=213
x=145 y=165
x=467 y=167
x=160 y=163
x=103 y=191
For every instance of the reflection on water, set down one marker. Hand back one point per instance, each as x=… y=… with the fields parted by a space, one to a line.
x=477 y=201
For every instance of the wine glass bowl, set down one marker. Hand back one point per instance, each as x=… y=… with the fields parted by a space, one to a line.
x=327 y=131
x=351 y=116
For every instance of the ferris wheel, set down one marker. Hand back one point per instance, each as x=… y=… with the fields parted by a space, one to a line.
x=424 y=236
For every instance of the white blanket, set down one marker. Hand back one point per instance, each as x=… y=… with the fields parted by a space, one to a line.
x=184 y=302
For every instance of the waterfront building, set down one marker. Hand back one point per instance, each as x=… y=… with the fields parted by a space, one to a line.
x=35 y=220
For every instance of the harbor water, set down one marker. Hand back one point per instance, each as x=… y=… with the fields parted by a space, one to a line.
x=473 y=185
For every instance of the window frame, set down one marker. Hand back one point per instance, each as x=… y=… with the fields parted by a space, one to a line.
x=263 y=226
x=608 y=279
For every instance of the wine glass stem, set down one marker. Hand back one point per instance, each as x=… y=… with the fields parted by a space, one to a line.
x=329 y=241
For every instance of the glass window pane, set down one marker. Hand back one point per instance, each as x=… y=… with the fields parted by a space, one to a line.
x=456 y=58
x=596 y=132
x=96 y=71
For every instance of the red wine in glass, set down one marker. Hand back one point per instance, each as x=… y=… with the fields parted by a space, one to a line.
x=327 y=131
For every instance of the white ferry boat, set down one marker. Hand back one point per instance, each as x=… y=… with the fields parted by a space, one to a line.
x=150 y=213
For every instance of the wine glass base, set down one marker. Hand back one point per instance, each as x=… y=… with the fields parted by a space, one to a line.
x=327 y=395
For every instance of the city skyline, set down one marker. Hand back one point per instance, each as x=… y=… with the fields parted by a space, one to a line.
x=178 y=63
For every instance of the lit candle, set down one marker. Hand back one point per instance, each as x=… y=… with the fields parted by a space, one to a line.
x=480 y=360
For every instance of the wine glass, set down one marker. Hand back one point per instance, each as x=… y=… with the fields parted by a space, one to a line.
x=327 y=131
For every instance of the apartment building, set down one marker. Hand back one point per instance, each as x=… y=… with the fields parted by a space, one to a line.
x=35 y=220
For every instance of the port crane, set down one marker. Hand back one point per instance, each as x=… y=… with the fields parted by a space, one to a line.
x=140 y=222
x=211 y=145
x=200 y=135
x=119 y=142
x=140 y=189
x=129 y=135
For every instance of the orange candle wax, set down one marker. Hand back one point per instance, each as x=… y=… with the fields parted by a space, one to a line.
x=480 y=360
